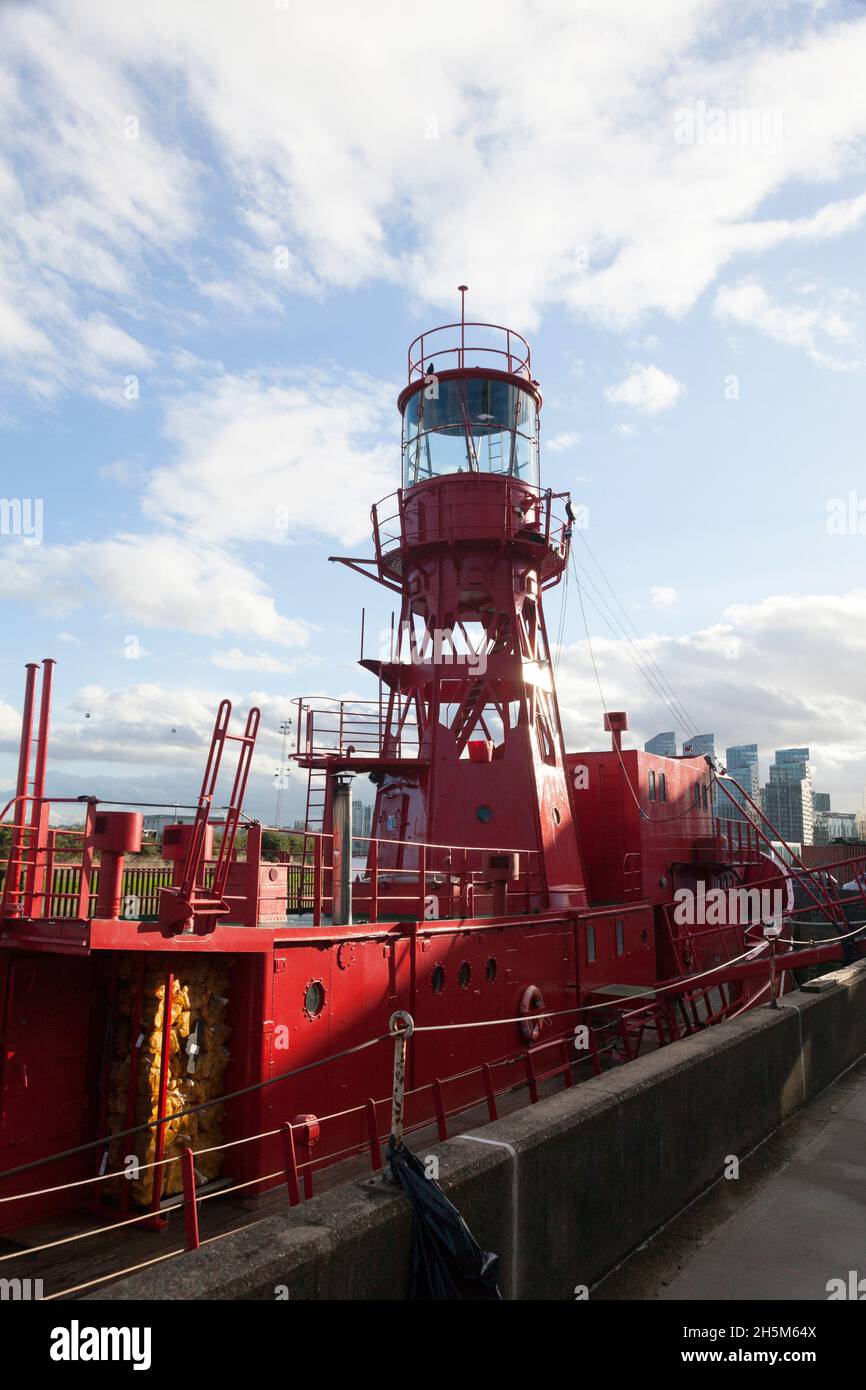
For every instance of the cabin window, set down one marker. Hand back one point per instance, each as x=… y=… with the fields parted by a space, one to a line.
x=620 y=944
x=698 y=795
x=590 y=943
x=652 y=786
x=663 y=787
x=704 y=795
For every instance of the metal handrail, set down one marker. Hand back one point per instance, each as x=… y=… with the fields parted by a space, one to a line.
x=388 y=529
x=516 y=352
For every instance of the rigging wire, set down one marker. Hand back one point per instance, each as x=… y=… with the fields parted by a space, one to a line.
x=636 y=660
x=561 y=629
x=650 y=658
x=635 y=653
x=627 y=779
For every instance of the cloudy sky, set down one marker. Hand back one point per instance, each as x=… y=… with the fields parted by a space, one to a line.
x=221 y=225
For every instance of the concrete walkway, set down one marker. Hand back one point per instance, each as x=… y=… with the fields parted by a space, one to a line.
x=795 y=1218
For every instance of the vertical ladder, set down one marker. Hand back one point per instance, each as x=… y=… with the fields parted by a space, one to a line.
x=29 y=842
x=179 y=906
x=317 y=796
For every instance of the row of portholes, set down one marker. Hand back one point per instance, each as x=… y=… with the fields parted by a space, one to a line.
x=464 y=975
x=314 y=995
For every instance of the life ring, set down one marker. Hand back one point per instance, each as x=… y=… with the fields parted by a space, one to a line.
x=532 y=1003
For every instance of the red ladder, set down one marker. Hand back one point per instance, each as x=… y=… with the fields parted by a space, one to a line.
x=179 y=907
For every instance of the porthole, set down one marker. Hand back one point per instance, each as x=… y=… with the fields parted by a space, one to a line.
x=314 y=999
x=556 y=816
x=484 y=814
x=464 y=975
x=437 y=979
x=490 y=970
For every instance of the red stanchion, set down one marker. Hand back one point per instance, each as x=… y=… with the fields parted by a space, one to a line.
x=439 y=1104
x=373 y=1136
x=490 y=1092
x=291 y=1166
x=190 y=1205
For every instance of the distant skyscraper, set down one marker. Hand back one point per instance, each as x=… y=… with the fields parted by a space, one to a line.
x=788 y=795
x=821 y=803
x=699 y=743
x=362 y=820
x=793 y=763
x=663 y=744
x=741 y=762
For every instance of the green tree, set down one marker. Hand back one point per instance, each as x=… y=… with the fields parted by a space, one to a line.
x=277 y=842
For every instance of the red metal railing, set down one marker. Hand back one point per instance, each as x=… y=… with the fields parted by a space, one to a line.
x=140 y=892
x=401 y=876
x=326 y=726
x=467 y=520
x=690 y=940
x=32 y=855
x=490 y=345
x=414 y=878
x=50 y=880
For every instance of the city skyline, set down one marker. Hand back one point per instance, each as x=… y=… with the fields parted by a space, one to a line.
x=743 y=762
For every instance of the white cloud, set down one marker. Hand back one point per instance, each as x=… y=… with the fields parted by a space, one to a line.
x=126 y=472
x=795 y=325
x=160 y=581
x=568 y=439
x=312 y=449
x=646 y=388
x=10 y=728
x=661 y=597
x=236 y=660
x=110 y=343
x=148 y=742
x=274 y=458
x=757 y=675
x=356 y=196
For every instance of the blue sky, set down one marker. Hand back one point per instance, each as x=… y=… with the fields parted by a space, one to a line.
x=221 y=226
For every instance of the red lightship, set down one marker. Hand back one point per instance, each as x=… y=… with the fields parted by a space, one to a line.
x=516 y=899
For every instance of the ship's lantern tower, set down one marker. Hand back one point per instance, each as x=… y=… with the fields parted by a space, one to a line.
x=470 y=406
x=471 y=541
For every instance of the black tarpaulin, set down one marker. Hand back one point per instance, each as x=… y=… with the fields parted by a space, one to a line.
x=447 y=1261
